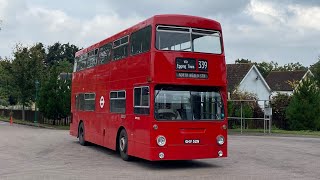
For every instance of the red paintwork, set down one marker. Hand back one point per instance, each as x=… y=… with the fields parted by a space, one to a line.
x=101 y=126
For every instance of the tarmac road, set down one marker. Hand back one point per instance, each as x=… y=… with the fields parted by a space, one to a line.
x=36 y=153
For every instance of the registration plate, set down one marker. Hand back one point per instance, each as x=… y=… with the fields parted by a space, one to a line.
x=191 y=141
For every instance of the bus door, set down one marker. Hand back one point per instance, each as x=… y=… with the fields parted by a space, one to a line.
x=141 y=115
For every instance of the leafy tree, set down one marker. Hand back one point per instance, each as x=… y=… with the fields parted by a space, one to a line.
x=7 y=91
x=242 y=61
x=304 y=108
x=291 y=67
x=315 y=69
x=279 y=104
x=58 y=52
x=266 y=67
x=27 y=67
x=54 y=98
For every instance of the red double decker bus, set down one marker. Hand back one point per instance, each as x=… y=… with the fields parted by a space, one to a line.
x=156 y=91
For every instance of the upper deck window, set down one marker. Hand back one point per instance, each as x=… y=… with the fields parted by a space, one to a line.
x=140 y=41
x=188 y=39
x=105 y=53
x=81 y=62
x=92 y=58
x=120 y=48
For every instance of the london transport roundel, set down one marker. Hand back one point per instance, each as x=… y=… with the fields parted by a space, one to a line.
x=101 y=102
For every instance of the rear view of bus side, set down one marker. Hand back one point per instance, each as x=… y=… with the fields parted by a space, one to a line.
x=156 y=91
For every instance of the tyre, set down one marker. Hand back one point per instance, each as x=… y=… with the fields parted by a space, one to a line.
x=81 y=134
x=123 y=145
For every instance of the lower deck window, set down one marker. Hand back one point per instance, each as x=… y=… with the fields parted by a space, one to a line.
x=118 y=101
x=85 y=101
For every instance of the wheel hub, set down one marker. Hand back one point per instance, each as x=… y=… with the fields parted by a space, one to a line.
x=122 y=143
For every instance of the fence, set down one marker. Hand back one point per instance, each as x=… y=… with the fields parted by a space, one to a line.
x=250 y=114
x=30 y=117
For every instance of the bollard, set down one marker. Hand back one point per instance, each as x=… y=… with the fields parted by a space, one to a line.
x=11 y=121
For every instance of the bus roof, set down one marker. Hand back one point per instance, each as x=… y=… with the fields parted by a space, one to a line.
x=164 y=19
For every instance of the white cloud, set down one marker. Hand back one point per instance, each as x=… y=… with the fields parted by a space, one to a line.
x=265 y=12
x=305 y=17
x=33 y=24
x=51 y=21
x=254 y=29
x=103 y=26
x=277 y=15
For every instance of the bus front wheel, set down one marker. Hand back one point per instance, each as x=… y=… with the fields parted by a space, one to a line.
x=81 y=134
x=123 y=145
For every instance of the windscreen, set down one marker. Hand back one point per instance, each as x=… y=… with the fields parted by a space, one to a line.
x=188 y=103
x=188 y=39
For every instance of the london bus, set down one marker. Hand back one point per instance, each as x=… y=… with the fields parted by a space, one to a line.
x=155 y=91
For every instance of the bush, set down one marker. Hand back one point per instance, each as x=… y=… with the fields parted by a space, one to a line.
x=304 y=108
x=279 y=104
x=249 y=107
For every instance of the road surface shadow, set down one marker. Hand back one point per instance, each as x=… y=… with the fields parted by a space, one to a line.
x=154 y=165
x=173 y=165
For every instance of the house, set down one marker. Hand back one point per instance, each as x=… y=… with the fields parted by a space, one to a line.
x=246 y=77
x=283 y=81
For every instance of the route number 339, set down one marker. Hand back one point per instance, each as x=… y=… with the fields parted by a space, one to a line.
x=203 y=65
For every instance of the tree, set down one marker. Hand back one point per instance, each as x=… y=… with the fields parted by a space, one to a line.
x=59 y=52
x=279 y=104
x=304 y=108
x=243 y=61
x=60 y=59
x=7 y=91
x=315 y=69
x=55 y=93
x=266 y=67
x=27 y=67
x=291 y=67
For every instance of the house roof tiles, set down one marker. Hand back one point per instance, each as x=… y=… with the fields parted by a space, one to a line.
x=280 y=80
x=235 y=74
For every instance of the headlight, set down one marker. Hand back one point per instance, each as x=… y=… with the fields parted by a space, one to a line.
x=220 y=140
x=161 y=140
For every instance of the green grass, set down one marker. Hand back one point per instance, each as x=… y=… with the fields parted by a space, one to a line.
x=276 y=131
x=17 y=121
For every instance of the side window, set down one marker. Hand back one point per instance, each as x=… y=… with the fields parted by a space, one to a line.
x=85 y=102
x=75 y=66
x=92 y=58
x=141 y=100
x=105 y=53
x=89 y=101
x=140 y=41
x=118 y=101
x=82 y=62
x=120 y=48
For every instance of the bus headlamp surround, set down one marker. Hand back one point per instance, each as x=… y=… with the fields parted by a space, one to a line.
x=220 y=140
x=161 y=140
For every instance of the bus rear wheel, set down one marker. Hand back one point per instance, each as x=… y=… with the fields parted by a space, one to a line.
x=123 y=145
x=81 y=135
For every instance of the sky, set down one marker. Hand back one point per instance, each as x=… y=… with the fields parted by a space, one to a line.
x=260 y=30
